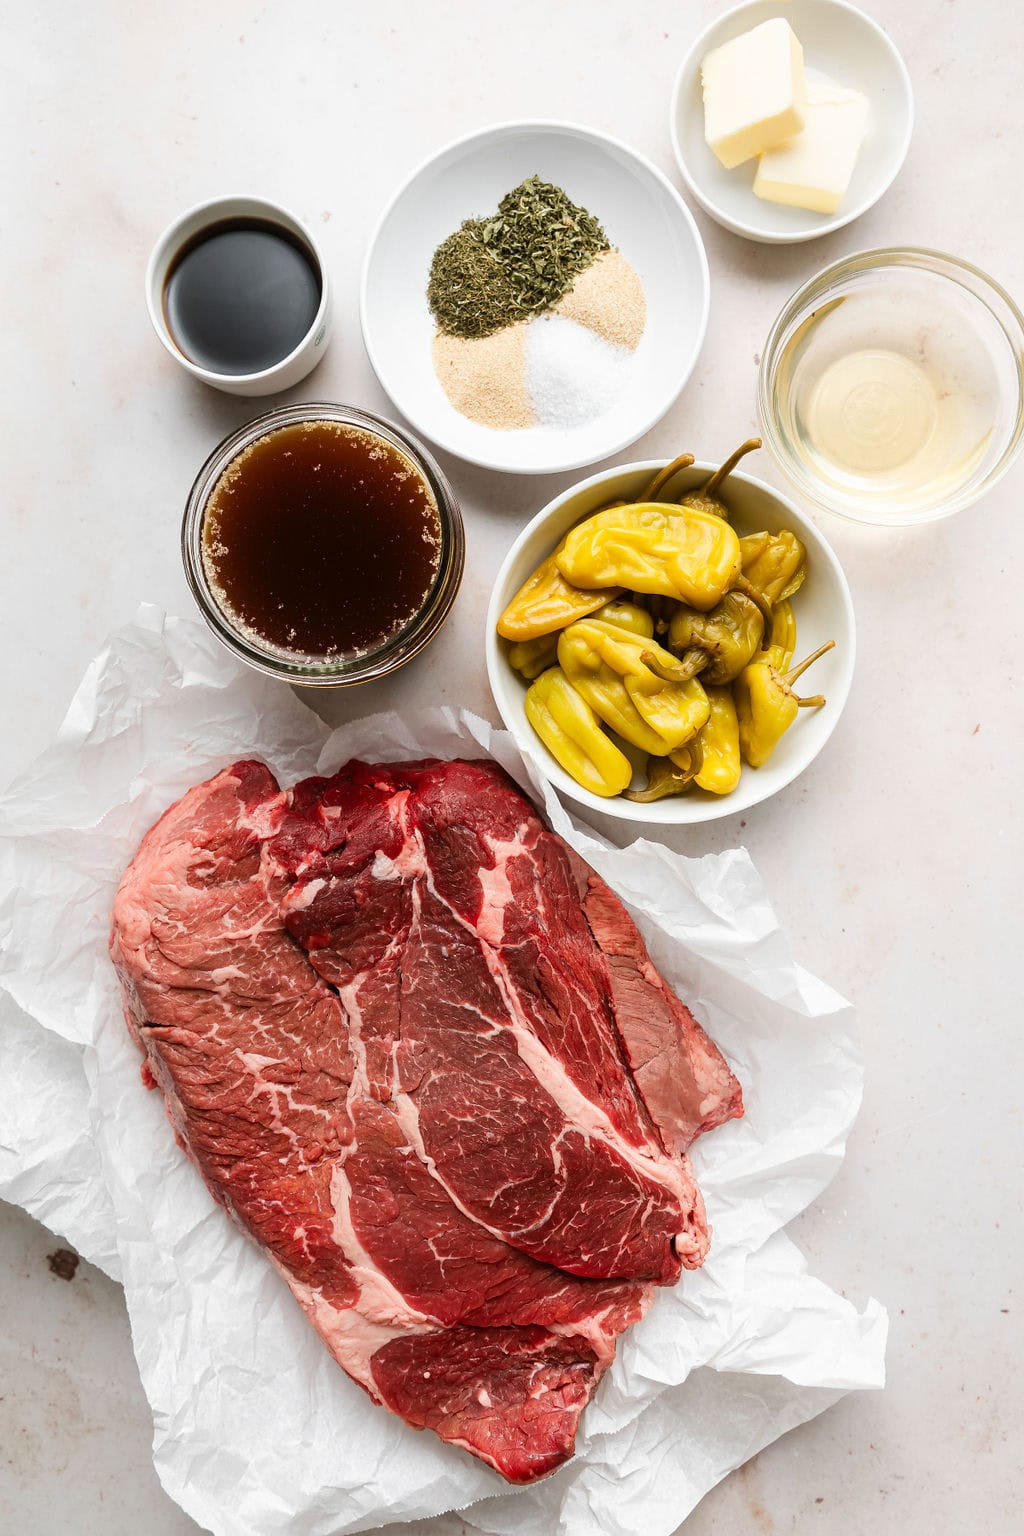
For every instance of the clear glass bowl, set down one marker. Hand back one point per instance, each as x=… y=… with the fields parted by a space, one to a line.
x=401 y=647
x=891 y=387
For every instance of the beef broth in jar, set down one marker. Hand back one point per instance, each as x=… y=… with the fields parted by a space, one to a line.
x=321 y=542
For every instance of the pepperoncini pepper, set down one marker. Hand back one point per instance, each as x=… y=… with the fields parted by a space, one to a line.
x=720 y=766
x=711 y=760
x=766 y=705
x=782 y=639
x=690 y=556
x=572 y=733
x=626 y=615
x=718 y=644
x=660 y=609
x=532 y=657
x=670 y=775
x=706 y=498
x=774 y=563
x=633 y=685
x=547 y=601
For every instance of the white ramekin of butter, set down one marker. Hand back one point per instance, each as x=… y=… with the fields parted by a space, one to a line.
x=790 y=120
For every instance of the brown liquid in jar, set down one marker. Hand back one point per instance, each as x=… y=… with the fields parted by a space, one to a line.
x=321 y=542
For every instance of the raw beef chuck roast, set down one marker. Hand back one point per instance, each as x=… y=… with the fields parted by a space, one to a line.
x=418 y=1050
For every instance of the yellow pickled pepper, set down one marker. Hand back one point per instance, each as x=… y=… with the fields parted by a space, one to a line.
x=572 y=733
x=681 y=553
x=720 y=643
x=670 y=775
x=532 y=657
x=634 y=685
x=766 y=705
x=706 y=497
x=782 y=637
x=720 y=768
x=626 y=615
x=547 y=602
x=775 y=564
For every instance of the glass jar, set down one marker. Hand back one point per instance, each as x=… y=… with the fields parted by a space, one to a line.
x=399 y=648
x=919 y=359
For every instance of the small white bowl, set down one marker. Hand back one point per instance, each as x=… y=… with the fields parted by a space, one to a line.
x=642 y=214
x=303 y=358
x=838 y=41
x=823 y=608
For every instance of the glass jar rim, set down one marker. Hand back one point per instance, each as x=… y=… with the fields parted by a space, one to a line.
x=400 y=648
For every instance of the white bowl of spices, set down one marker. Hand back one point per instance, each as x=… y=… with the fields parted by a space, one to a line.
x=535 y=297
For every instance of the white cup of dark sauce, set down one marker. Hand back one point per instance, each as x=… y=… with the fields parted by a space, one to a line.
x=238 y=293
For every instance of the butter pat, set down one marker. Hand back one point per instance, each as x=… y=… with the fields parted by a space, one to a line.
x=813 y=169
x=753 y=92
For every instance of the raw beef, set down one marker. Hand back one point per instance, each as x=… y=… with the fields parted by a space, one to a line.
x=417 y=1048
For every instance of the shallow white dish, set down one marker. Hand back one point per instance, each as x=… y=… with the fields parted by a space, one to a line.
x=823 y=608
x=838 y=41
x=642 y=214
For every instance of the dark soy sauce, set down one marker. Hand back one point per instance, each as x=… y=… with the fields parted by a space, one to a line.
x=321 y=541
x=241 y=295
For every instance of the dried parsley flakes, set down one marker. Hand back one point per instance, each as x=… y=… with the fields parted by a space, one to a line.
x=493 y=272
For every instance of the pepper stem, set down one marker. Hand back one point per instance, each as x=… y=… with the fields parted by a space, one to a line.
x=681 y=671
x=814 y=702
x=791 y=677
x=764 y=607
x=695 y=750
x=664 y=475
x=723 y=471
x=665 y=777
x=688 y=665
x=658 y=791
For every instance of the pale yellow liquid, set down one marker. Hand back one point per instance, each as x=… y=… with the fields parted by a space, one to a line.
x=874 y=413
x=890 y=409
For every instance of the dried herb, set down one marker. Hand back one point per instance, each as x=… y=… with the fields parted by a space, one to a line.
x=469 y=292
x=543 y=240
x=493 y=272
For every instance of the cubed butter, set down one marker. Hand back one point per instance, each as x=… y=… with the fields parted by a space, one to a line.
x=753 y=92
x=814 y=168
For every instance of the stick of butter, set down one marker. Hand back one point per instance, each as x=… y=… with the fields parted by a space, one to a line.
x=814 y=168
x=753 y=92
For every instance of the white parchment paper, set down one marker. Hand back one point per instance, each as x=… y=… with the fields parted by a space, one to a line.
x=256 y=1430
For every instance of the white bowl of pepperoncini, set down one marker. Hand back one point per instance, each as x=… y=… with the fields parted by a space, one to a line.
x=671 y=710
x=323 y=545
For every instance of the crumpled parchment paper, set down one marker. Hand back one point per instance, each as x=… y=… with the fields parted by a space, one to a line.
x=256 y=1429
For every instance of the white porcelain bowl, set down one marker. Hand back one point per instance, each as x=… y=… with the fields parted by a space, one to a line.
x=289 y=370
x=838 y=41
x=823 y=608
x=642 y=214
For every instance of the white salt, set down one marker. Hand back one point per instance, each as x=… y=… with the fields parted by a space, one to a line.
x=572 y=374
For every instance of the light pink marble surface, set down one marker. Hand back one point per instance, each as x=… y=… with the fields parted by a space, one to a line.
x=894 y=861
